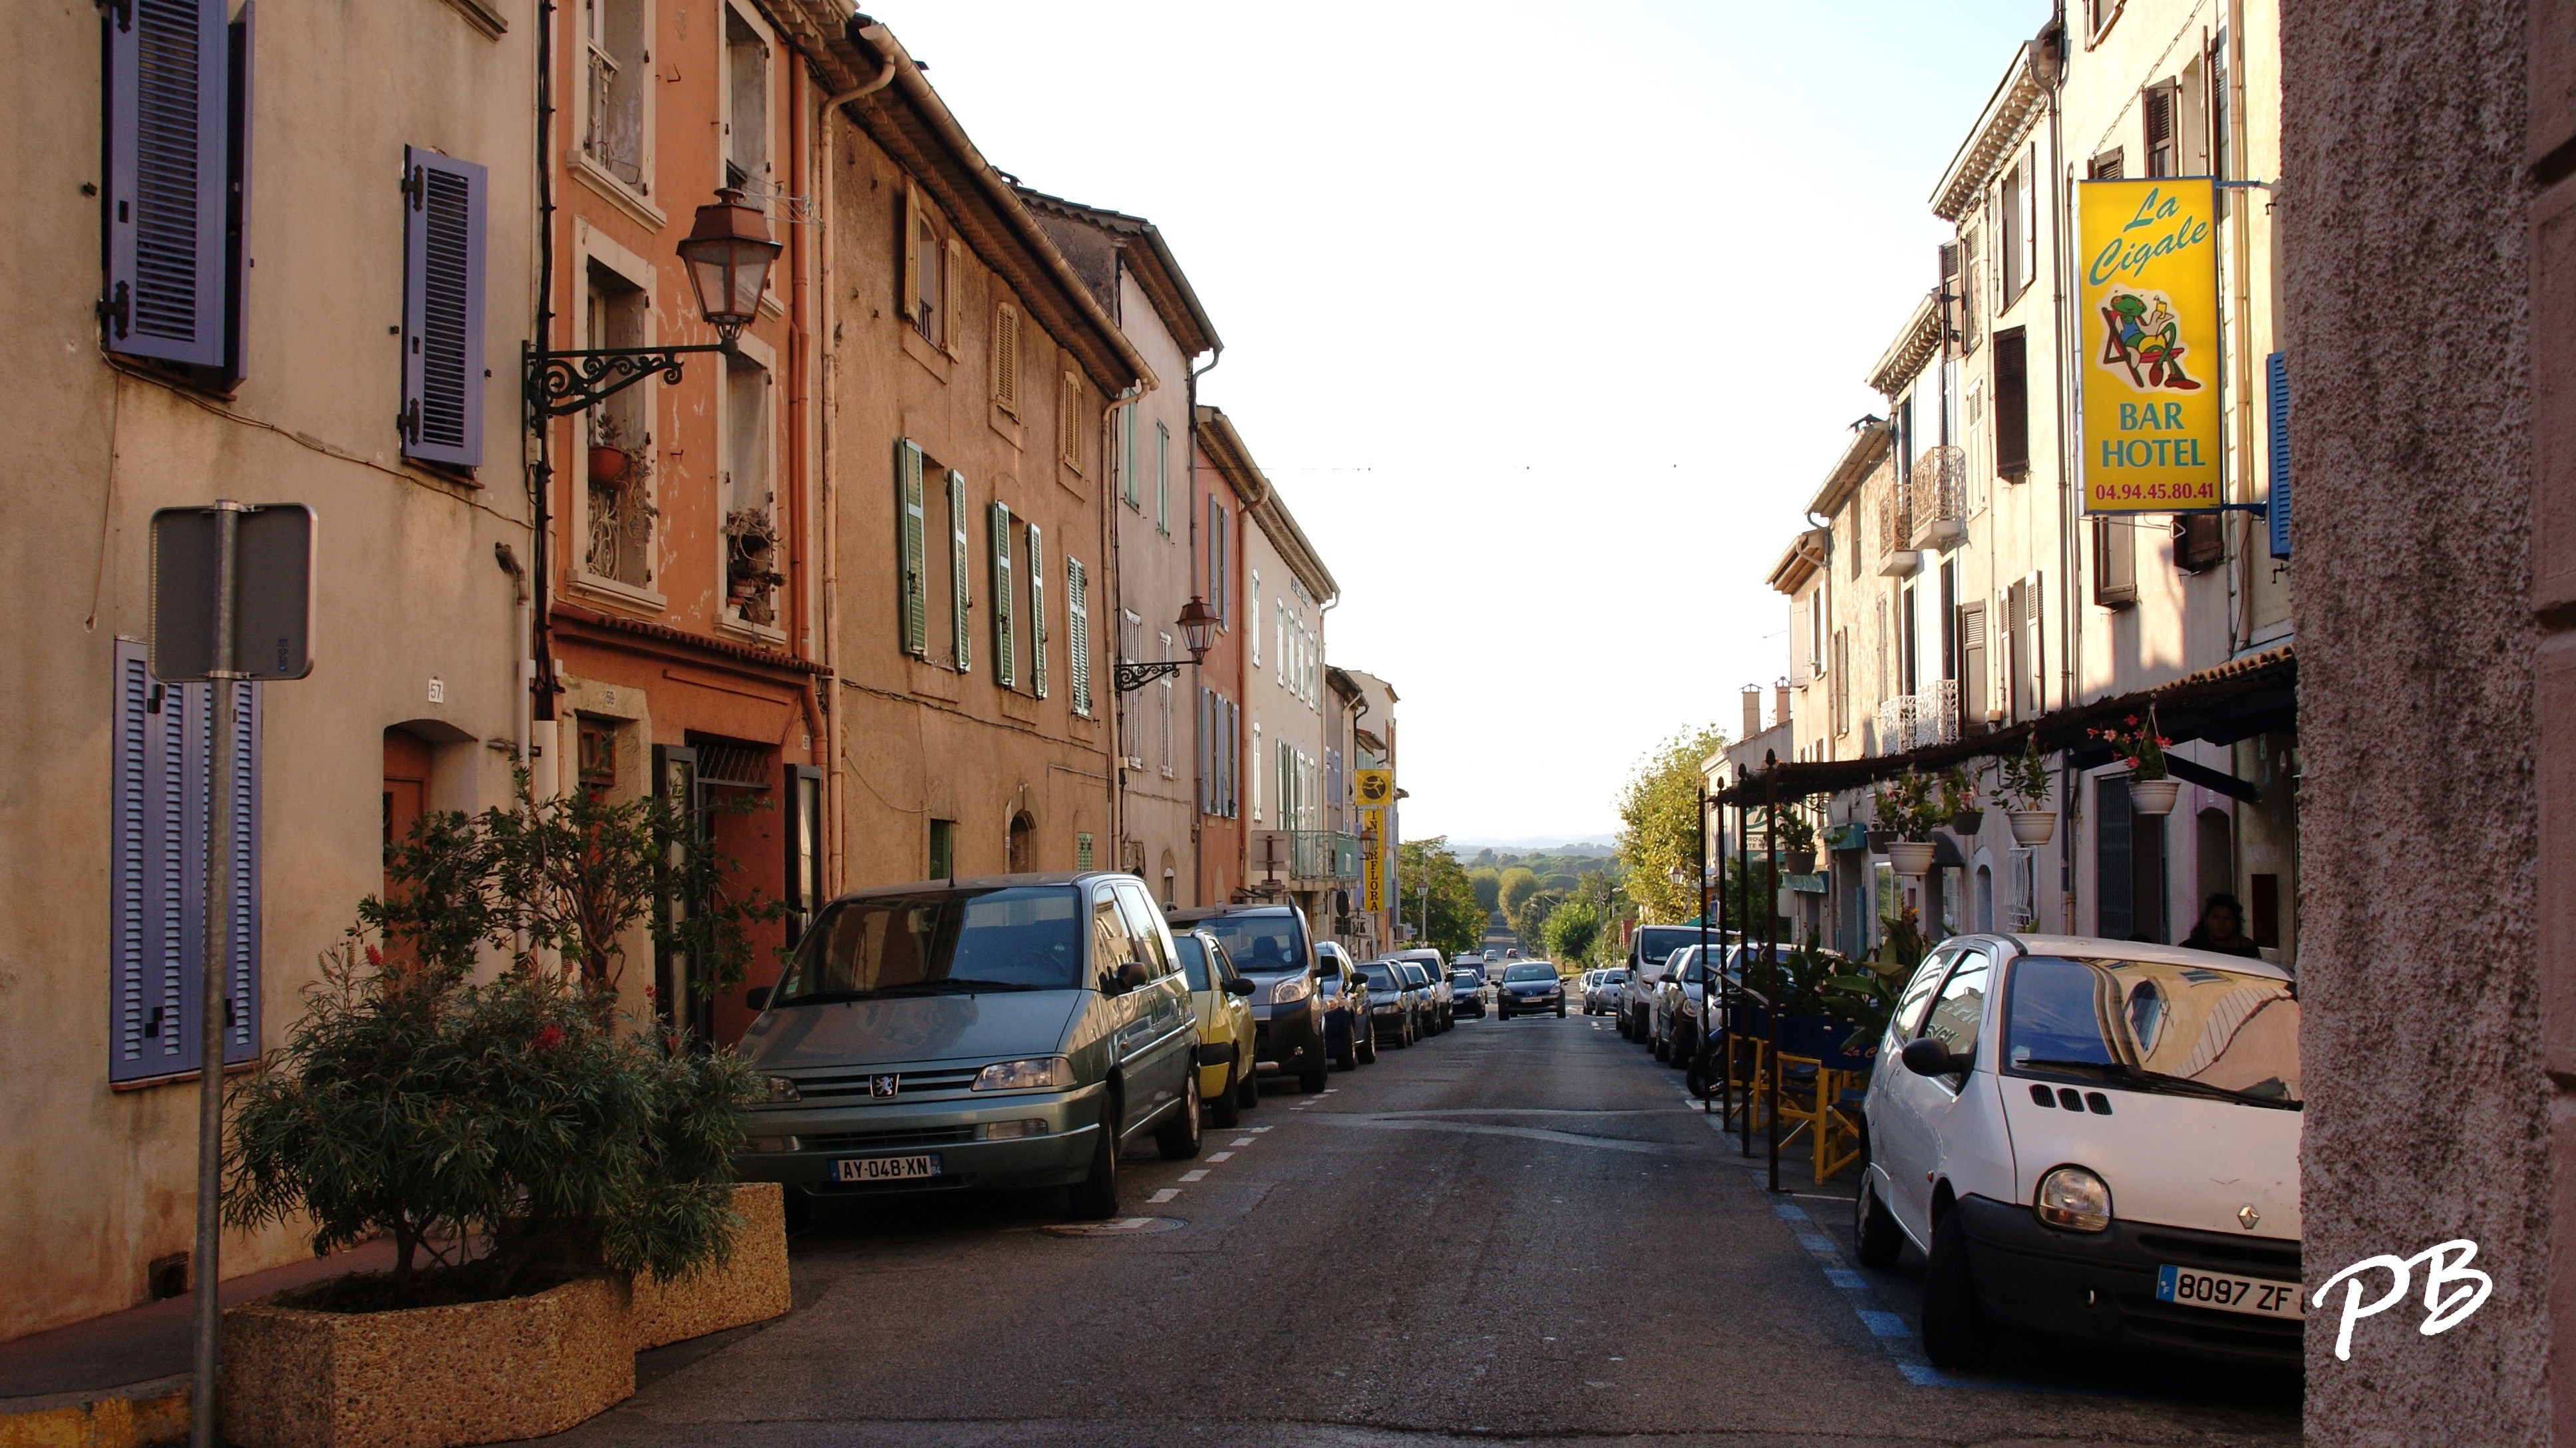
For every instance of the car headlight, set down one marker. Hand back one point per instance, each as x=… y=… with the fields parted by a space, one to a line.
x=1289 y=992
x=1039 y=1074
x=2075 y=1199
x=783 y=1092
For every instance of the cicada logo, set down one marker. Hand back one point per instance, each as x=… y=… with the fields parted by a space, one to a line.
x=2452 y=1289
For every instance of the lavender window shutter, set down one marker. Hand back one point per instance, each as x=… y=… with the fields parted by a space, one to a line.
x=241 y=962
x=442 y=406
x=166 y=174
x=237 y=197
x=146 y=899
x=2276 y=388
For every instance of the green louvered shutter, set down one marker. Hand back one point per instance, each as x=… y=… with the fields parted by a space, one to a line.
x=910 y=529
x=1077 y=634
x=1006 y=670
x=1037 y=613
x=961 y=597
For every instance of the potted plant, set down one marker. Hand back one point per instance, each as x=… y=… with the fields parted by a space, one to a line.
x=1885 y=829
x=609 y=455
x=1796 y=839
x=1917 y=815
x=1959 y=801
x=2150 y=792
x=2025 y=795
x=751 y=572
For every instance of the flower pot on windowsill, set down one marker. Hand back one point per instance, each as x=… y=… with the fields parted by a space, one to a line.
x=1911 y=857
x=1967 y=822
x=1879 y=840
x=608 y=464
x=2153 y=796
x=1798 y=862
x=2033 y=827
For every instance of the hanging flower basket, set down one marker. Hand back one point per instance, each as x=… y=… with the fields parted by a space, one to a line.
x=1911 y=857
x=2153 y=796
x=1967 y=822
x=1879 y=840
x=1798 y=862
x=608 y=464
x=2033 y=827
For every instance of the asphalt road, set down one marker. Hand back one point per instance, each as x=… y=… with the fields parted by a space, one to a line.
x=1518 y=1231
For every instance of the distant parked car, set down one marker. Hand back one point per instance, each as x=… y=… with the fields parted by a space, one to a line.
x=1269 y=944
x=1467 y=994
x=1648 y=950
x=2091 y=1139
x=1344 y=992
x=1395 y=1007
x=1601 y=991
x=1226 y=1082
x=1529 y=988
x=1435 y=977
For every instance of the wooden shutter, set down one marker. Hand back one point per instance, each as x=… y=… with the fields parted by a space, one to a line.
x=2033 y=640
x=2276 y=427
x=162 y=767
x=1972 y=665
x=1162 y=478
x=2115 y=562
x=1006 y=660
x=1077 y=634
x=2114 y=874
x=910 y=528
x=443 y=223
x=908 y=297
x=1037 y=613
x=1006 y=357
x=2157 y=102
x=244 y=53
x=2199 y=542
x=2012 y=403
x=1233 y=760
x=952 y=297
x=1127 y=454
x=166 y=175
x=1068 y=425
x=961 y=594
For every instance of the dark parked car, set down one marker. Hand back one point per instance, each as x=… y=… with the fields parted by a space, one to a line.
x=1468 y=988
x=1345 y=994
x=1269 y=944
x=1528 y=988
x=1395 y=1007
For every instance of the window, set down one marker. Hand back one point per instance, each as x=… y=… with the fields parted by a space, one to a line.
x=2109 y=166
x=1082 y=856
x=2010 y=270
x=2164 y=133
x=2024 y=666
x=961 y=598
x=2031 y=179
x=914 y=582
x=442 y=351
x=753 y=559
x=178 y=155
x=1959 y=1010
x=1972 y=664
x=1162 y=480
x=2012 y=403
x=943 y=850
x=1971 y=313
x=1006 y=656
x=617 y=69
x=2115 y=562
x=806 y=891
x=1131 y=729
x=2220 y=152
x=1068 y=425
x=746 y=103
x=1220 y=590
x=1815 y=631
x=1256 y=771
x=930 y=261
x=2098 y=15
x=1166 y=687
x=619 y=500
x=1006 y=358
x=1127 y=455
x=1252 y=617
x=156 y=930
x=1077 y=634
x=1842 y=682
x=1037 y=614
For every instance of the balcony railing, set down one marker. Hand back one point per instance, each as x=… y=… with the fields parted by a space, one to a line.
x=1919 y=720
x=1323 y=855
x=1939 y=502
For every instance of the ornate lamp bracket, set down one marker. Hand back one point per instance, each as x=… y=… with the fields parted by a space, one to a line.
x=1132 y=677
x=558 y=384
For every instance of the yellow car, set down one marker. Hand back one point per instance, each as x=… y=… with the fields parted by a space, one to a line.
x=1227 y=1082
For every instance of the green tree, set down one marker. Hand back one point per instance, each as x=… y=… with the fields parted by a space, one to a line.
x=1488 y=883
x=1518 y=884
x=1572 y=930
x=1659 y=825
x=1456 y=922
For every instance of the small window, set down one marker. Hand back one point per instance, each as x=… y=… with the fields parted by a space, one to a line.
x=2111 y=165
x=617 y=67
x=746 y=104
x=927 y=300
x=2012 y=403
x=754 y=562
x=2115 y=562
x=2164 y=134
x=943 y=850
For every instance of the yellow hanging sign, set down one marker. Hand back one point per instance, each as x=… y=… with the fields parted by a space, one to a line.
x=2147 y=344
x=1372 y=875
x=1374 y=787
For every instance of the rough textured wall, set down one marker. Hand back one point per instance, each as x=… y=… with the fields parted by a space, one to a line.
x=2404 y=283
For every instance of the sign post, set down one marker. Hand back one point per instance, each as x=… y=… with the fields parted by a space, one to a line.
x=2147 y=334
x=202 y=616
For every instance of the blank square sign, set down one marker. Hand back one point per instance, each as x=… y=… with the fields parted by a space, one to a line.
x=273 y=607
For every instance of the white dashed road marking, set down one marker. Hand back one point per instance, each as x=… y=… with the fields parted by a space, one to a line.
x=1220 y=1156
x=1194 y=1176
x=1165 y=1195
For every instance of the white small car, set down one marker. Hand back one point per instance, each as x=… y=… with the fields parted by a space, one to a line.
x=2092 y=1139
x=1601 y=991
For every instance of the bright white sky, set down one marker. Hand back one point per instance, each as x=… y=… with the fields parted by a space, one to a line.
x=1547 y=320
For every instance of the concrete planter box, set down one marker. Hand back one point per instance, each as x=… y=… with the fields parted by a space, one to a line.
x=426 y=1377
x=750 y=1287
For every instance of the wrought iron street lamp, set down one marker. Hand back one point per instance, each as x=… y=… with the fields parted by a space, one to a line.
x=1198 y=630
x=728 y=255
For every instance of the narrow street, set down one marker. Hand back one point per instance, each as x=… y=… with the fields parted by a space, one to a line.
x=1518 y=1230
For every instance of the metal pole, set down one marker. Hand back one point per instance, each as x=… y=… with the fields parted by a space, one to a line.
x=1744 y=932
x=1723 y=987
x=1771 y=951
x=1707 y=985
x=213 y=1000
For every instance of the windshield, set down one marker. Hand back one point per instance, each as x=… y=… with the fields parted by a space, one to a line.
x=1614 y=977
x=2146 y=1020
x=1466 y=978
x=1414 y=974
x=1018 y=938
x=1257 y=944
x=1380 y=977
x=1657 y=942
x=1518 y=972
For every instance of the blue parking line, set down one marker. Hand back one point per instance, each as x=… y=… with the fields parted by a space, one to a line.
x=1904 y=1352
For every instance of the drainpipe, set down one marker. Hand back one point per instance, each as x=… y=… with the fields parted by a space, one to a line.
x=827 y=344
x=1198 y=756
x=2069 y=516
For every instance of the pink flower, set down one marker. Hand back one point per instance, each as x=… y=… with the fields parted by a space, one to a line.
x=375 y=956
x=548 y=1038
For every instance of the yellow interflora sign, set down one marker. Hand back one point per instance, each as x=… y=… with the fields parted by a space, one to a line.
x=1372 y=873
x=2147 y=344
x=1375 y=787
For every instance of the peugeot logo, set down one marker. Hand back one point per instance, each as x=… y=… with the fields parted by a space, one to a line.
x=2247 y=1217
x=887 y=1086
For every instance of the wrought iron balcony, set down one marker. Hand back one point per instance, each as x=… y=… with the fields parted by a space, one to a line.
x=1940 y=498
x=1323 y=855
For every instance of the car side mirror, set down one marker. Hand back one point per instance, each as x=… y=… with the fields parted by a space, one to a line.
x=757 y=997
x=1925 y=1056
x=1240 y=986
x=1132 y=974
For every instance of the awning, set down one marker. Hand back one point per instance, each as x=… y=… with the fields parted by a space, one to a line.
x=2257 y=694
